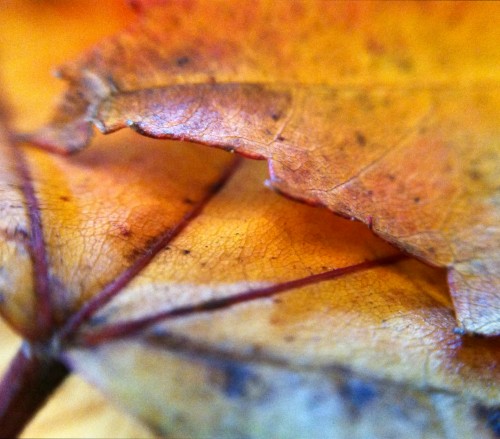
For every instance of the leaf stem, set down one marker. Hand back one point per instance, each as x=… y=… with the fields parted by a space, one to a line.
x=31 y=378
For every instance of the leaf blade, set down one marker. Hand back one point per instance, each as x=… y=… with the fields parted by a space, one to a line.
x=389 y=124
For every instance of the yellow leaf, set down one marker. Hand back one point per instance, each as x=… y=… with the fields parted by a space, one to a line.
x=207 y=305
x=382 y=111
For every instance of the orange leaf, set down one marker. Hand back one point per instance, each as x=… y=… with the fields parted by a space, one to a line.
x=381 y=112
x=206 y=304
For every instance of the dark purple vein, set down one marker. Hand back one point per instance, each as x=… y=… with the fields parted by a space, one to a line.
x=131 y=328
x=37 y=248
x=123 y=279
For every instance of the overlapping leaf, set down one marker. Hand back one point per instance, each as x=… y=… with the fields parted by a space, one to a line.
x=383 y=112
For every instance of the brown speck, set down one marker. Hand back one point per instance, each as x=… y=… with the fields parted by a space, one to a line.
x=474 y=174
x=281 y=138
x=188 y=201
x=186 y=252
x=182 y=61
x=125 y=232
x=275 y=116
x=122 y=230
x=374 y=46
x=404 y=64
x=360 y=138
x=134 y=254
x=64 y=198
x=416 y=200
x=136 y=6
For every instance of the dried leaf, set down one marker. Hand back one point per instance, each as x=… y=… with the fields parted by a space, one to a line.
x=382 y=114
x=206 y=304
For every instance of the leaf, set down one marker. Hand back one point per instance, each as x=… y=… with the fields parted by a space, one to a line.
x=384 y=320
x=205 y=304
x=383 y=115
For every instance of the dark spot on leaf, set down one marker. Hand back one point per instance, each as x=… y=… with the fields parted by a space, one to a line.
x=474 y=174
x=139 y=251
x=188 y=201
x=237 y=378
x=374 y=46
x=364 y=102
x=64 y=198
x=492 y=417
x=280 y=138
x=124 y=230
x=135 y=5
x=369 y=193
x=360 y=138
x=275 y=116
x=134 y=254
x=186 y=252
x=404 y=64
x=391 y=177
x=239 y=381
x=431 y=250
x=182 y=61
x=416 y=200
x=358 y=394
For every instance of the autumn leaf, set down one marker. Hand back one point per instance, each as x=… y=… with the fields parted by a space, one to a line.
x=168 y=276
x=381 y=112
x=245 y=245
